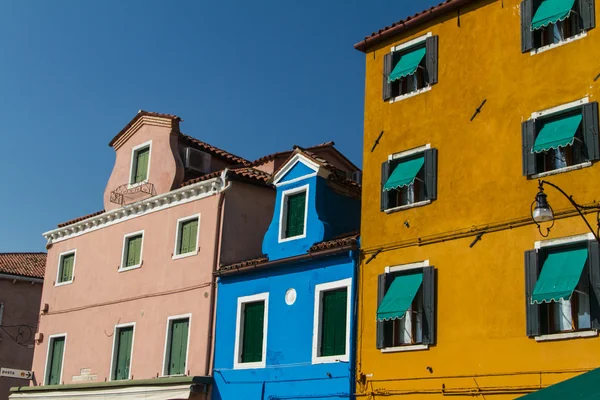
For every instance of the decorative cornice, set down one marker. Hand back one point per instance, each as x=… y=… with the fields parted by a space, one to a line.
x=173 y=198
x=143 y=120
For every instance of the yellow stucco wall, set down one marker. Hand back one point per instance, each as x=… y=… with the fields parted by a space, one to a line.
x=481 y=325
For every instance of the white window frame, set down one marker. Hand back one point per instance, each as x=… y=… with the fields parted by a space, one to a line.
x=180 y=222
x=551 y=46
x=168 y=340
x=114 y=349
x=317 y=328
x=59 y=268
x=237 y=362
x=401 y=155
x=122 y=267
x=62 y=362
x=283 y=212
x=401 y=47
x=133 y=163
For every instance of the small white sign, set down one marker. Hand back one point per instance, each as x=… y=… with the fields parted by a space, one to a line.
x=16 y=373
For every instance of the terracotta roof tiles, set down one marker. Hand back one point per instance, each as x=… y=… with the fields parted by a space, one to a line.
x=32 y=265
x=215 y=151
x=140 y=114
x=79 y=219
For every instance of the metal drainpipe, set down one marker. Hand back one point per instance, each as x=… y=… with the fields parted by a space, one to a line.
x=209 y=344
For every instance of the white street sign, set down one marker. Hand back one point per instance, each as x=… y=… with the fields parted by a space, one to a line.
x=16 y=373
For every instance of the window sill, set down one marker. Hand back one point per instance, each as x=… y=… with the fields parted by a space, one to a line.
x=567 y=335
x=408 y=206
x=288 y=239
x=250 y=365
x=184 y=255
x=411 y=94
x=125 y=269
x=330 y=359
x=64 y=283
x=562 y=43
x=562 y=170
x=134 y=185
x=398 y=349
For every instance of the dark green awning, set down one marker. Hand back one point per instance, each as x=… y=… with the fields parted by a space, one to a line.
x=560 y=275
x=550 y=12
x=581 y=387
x=555 y=134
x=404 y=174
x=399 y=297
x=407 y=65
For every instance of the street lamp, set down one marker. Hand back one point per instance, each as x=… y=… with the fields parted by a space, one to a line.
x=542 y=212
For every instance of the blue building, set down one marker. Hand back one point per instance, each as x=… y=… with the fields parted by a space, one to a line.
x=285 y=321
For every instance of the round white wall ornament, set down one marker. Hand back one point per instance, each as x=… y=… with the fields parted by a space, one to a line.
x=290 y=297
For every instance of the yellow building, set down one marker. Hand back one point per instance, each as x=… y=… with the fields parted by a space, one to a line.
x=460 y=294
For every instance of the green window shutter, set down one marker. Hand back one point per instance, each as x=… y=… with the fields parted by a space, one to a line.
x=134 y=249
x=588 y=14
x=141 y=165
x=123 y=356
x=295 y=214
x=431 y=61
x=56 y=356
x=188 y=235
x=387 y=69
x=526 y=32
x=429 y=305
x=532 y=311
x=66 y=273
x=252 y=340
x=333 y=322
x=178 y=347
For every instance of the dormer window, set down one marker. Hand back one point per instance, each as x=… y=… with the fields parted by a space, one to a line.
x=140 y=163
x=293 y=214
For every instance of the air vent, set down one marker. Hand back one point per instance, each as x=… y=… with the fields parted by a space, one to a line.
x=357 y=177
x=196 y=160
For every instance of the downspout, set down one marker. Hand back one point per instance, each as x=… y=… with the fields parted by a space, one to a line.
x=355 y=254
x=211 y=325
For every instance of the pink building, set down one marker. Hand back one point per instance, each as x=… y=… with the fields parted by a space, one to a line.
x=21 y=278
x=128 y=303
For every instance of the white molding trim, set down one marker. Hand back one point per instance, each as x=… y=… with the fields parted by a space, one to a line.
x=317 y=312
x=561 y=43
x=411 y=43
x=134 y=150
x=409 y=152
x=59 y=269
x=114 y=349
x=405 y=267
x=283 y=212
x=180 y=221
x=297 y=158
x=407 y=206
x=168 y=339
x=567 y=335
x=124 y=254
x=564 y=240
x=167 y=391
x=398 y=349
x=559 y=108
x=160 y=202
x=410 y=94
x=237 y=363
x=562 y=170
x=62 y=362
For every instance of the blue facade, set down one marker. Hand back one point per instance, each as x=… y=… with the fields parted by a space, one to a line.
x=292 y=368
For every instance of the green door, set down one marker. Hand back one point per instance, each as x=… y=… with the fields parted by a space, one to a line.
x=57 y=347
x=252 y=341
x=295 y=215
x=123 y=356
x=333 y=322
x=178 y=347
x=141 y=165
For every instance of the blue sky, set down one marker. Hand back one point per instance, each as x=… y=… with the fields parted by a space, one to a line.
x=252 y=77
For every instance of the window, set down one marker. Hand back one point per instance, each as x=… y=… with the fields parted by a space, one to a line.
x=140 y=163
x=251 y=331
x=66 y=267
x=122 y=352
x=177 y=345
x=55 y=359
x=132 y=251
x=406 y=307
x=186 y=240
x=331 y=329
x=561 y=139
x=409 y=178
x=550 y=22
x=410 y=67
x=562 y=288
x=294 y=204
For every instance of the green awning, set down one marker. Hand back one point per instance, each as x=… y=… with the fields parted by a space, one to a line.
x=560 y=275
x=407 y=65
x=404 y=174
x=555 y=134
x=550 y=12
x=399 y=297
x=581 y=387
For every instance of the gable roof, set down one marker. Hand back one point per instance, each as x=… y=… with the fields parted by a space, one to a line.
x=213 y=150
x=242 y=173
x=140 y=114
x=411 y=22
x=32 y=265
